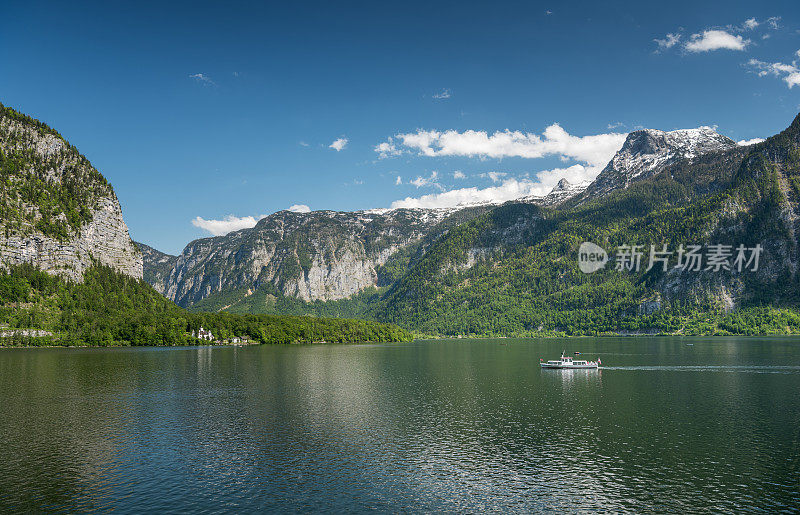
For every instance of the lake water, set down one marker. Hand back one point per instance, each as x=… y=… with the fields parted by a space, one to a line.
x=428 y=426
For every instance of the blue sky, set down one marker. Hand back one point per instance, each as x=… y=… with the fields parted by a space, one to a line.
x=215 y=109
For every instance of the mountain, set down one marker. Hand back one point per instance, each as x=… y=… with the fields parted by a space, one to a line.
x=70 y=274
x=512 y=268
x=157 y=266
x=562 y=192
x=527 y=278
x=56 y=210
x=647 y=151
x=493 y=268
x=321 y=255
x=111 y=309
x=331 y=256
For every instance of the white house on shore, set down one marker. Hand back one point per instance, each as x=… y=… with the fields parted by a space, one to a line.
x=203 y=334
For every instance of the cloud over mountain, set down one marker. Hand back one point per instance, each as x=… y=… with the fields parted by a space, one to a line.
x=509 y=189
x=594 y=150
x=228 y=224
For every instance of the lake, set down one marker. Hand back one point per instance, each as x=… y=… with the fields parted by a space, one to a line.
x=460 y=425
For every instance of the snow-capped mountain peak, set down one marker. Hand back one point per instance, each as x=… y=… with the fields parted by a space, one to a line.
x=647 y=151
x=562 y=191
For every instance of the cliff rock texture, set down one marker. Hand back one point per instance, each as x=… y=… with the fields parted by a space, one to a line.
x=56 y=210
x=322 y=255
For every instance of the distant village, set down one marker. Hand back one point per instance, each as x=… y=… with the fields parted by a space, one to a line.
x=203 y=334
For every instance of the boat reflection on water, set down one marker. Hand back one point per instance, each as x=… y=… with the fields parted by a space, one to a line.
x=574 y=377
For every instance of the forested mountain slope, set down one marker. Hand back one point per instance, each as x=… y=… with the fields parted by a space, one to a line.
x=335 y=256
x=56 y=210
x=513 y=269
x=528 y=277
x=109 y=308
x=70 y=274
x=321 y=255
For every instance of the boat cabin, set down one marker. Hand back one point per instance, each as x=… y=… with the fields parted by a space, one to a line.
x=568 y=362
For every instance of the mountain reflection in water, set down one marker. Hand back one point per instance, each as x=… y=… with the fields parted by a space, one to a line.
x=428 y=426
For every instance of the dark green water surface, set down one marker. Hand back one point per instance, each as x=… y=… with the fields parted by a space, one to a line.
x=429 y=426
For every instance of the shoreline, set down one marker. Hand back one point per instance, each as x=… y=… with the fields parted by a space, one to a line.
x=426 y=338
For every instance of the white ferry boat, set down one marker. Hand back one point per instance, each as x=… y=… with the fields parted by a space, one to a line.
x=568 y=362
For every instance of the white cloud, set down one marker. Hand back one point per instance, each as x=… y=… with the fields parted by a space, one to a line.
x=494 y=176
x=426 y=181
x=715 y=39
x=458 y=174
x=442 y=95
x=303 y=144
x=594 y=150
x=745 y=142
x=669 y=41
x=730 y=37
x=792 y=79
x=228 y=224
x=299 y=208
x=203 y=79
x=398 y=181
x=338 y=144
x=574 y=174
x=789 y=73
x=510 y=189
x=387 y=149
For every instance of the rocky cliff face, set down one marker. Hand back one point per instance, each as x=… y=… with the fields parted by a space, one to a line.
x=329 y=255
x=762 y=207
x=712 y=193
x=322 y=255
x=646 y=152
x=562 y=192
x=157 y=266
x=56 y=211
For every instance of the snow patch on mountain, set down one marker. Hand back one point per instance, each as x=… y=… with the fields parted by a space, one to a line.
x=647 y=151
x=562 y=191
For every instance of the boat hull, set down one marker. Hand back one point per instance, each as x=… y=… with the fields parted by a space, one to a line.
x=570 y=367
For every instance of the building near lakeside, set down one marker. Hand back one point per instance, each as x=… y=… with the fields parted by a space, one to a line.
x=203 y=334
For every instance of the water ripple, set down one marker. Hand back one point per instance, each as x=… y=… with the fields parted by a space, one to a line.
x=445 y=427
